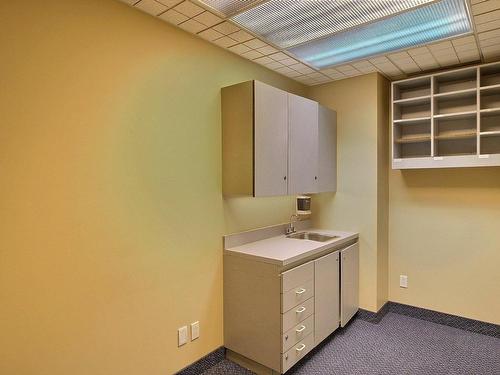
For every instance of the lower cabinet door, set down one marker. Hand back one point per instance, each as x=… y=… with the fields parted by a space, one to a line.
x=349 y=288
x=326 y=298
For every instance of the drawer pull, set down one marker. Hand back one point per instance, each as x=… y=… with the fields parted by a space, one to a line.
x=300 y=348
x=301 y=309
x=301 y=329
x=300 y=291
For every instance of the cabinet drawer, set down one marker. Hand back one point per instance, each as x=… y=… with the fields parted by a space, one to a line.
x=297 y=333
x=297 y=295
x=296 y=276
x=297 y=352
x=297 y=314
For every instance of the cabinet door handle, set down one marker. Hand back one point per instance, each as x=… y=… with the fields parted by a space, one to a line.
x=301 y=309
x=300 y=348
x=301 y=329
x=300 y=291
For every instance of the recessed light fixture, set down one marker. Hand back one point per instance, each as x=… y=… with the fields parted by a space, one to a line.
x=287 y=23
x=438 y=20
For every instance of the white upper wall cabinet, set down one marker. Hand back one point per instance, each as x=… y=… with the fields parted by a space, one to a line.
x=448 y=119
x=327 y=151
x=303 y=145
x=271 y=140
x=276 y=143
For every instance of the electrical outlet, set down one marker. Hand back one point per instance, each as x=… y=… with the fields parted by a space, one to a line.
x=182 y=335
x=403 y=281
x=195 y=330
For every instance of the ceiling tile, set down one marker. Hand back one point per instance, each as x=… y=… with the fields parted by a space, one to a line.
x=279 y=56
x=466 y=47
x=210 y=34
x=189 y=9
x=241 y=36
x=288 y=61
x=487 y=17
x=485 y=6
x=252 y=55
x=379 y=60
x=489 y=42
x=208 y=19
x=399 y=56
x=464 y=40
x=492 y=50
x=264 y=60
x=169 y=3
x=173 y=17
x=418 y=51
x=226 y=28
x=440 y=46
x=225 y=42
x=151 y=6
x=255 y=43
x=192 y=26
x=274 y=64
x=489 y=34
x=240 y=49
x=267 y=50
x=487 y=26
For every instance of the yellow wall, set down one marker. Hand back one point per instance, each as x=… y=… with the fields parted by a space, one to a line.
x=444 y=234
x=111 y=209
x=362 y=188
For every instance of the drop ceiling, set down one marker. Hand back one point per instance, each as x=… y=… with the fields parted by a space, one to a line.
x=272 y=41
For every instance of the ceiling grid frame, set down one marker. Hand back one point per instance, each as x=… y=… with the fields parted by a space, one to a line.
x=486 y=43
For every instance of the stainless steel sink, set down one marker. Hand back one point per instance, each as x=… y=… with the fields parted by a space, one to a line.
x=311 y=236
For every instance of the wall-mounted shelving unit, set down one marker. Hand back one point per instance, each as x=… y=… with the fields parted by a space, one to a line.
x=448 y=119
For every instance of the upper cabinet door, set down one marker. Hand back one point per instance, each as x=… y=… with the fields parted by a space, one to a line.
x=327 y=158
x=303 y=145
x=271 y=140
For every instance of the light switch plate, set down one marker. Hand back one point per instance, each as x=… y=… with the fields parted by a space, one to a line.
x=403 y=281
x=195 y=330
x=182 y=335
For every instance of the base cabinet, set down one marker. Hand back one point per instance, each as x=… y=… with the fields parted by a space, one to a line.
x=273 y=316
x=349 y=288
x=327 y=296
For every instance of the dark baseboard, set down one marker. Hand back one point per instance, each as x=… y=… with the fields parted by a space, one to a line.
x=204 y=363
x=454 y=321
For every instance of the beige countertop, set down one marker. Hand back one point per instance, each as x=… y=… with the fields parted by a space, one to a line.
x=283 y=251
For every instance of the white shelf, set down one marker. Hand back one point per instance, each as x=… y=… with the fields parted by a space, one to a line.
x=491 y=87
x=495 y=133
x=457 y=94
x=456 y=134
x=409 y=121
x=447 y=128
x=456 y=115
x=416 y=100
x=490 y=110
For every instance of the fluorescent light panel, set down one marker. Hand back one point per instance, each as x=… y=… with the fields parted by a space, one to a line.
x=439 y=20
x=228 y=7
x=287 y=23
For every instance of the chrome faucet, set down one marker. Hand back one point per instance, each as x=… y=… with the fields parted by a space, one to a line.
x=291 y=228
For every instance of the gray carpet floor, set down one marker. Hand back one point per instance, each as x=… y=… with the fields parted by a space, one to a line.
x=397 y=345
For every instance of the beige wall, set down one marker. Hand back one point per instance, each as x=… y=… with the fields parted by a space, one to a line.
x=362 y=186
x=111 y=209
x=444 y=234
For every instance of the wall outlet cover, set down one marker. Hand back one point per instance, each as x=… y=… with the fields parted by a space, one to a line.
x=182 y=335
x=195 y=330
x=403 y=281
